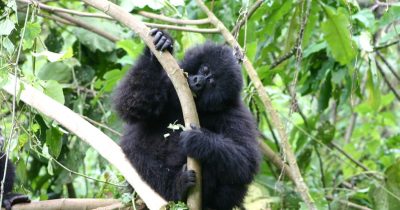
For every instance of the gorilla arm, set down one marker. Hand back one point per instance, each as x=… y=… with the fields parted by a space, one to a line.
x=143 y=93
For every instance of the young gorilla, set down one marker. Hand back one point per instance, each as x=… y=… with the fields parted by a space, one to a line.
x=225 y=144
x=9 y=198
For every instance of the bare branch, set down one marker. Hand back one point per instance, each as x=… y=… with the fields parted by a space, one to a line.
x=247 y=16
x=68 y=203
x=348 y=204
x=283 y=58
x=173 y=20
x=393 y=89
x=390 y=67
x=62 y=10
x=178 y=80
x=88 y=27
x=182 y=28
x=386 y=45
x=301 y=186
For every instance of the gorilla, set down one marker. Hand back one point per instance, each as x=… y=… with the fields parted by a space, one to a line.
x=225 y=145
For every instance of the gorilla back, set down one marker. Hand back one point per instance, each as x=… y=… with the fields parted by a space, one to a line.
x=226 y=143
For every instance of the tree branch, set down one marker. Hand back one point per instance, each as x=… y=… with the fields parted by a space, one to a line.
x=387 y=80
x=177 y=78
x=386 y=45
x=64 y=13
x=283 y=58
x=106 y=147
x=301 y=186
x=247 y=16
x=348 y=204
x=88 y=27
x=62 y=10
x=69 y=203
x=390 y=67
x=173 y=20
x=182 y=28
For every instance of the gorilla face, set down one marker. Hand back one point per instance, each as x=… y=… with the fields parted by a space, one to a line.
x=214 y=76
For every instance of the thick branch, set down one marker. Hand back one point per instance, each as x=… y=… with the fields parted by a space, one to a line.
x=301 y=186
x=177 y=78
x=70 y=203
x=247 y=16
x=173 y=20
x=106 y=147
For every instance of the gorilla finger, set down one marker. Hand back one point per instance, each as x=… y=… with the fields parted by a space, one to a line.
x=160 y=43
x=166 y=45
x=193 y=126
x=157 y=37
x=153 y=31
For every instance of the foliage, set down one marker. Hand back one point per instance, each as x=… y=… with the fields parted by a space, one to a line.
x=339 y=80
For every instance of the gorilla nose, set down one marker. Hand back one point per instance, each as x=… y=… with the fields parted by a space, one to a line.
x=196 y=82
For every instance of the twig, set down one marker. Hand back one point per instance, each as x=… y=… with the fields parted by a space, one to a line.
x=251 y=11
x=62 y=10
x=348 y=203
x=179 y=82
x=283 y=58
x=65 y=18
x=64 y=13
x=299 y=54
x=390 y=67
x=88 y=27
x=386 y=45
x=299 y=181
x=173 y=20
x=57 y=19
x=387 y=80
x=358 y=163
x=102 y=125
x=182 y=28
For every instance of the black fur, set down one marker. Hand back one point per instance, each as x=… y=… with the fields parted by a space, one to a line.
x=225 y=144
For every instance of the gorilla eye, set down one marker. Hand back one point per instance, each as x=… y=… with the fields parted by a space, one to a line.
x=206 y=70
x=211 y=82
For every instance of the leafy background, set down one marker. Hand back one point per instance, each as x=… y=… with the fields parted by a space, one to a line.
x=345 y=133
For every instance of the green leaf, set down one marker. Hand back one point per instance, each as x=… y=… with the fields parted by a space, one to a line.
x=374 y=94
x=391 y=15
x=53 y=141
x=8 y=45
x=132 y=47
x=325 y=93
x=367 y=18
x=278 y=11
x=6 y=26
x=54 y=90
x=57 y=71
x=337 y=35
x=32 y=31
x=313 y=48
